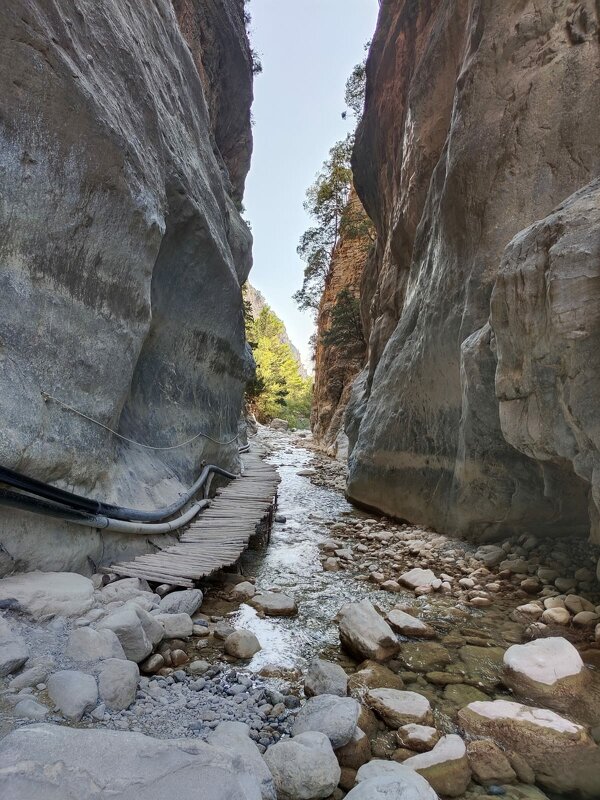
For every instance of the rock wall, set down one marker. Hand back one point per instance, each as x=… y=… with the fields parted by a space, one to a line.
x=481 y=119
x=336 y=367
x=122 y=253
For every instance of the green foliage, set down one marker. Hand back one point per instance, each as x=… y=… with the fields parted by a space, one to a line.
x=278 y=389
x=345 y=329
x=354 y=96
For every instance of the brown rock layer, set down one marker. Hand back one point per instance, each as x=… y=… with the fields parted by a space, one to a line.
x=480 y=119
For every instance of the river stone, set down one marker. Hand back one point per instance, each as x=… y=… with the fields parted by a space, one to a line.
x=73 y=693
x=389 y=780
x=37 y=672
x=304 y=767
x=550 y=673
x=30 y=709
x=446 y=767
x=117 y=683
x=244 y=590
x=13 y=650
x=325 y=677
x=63 y=762
x=126 y=589
x=372 y=675
x=417 y=577
x=234 y=737
x=424 y=656
x=417 y=737
x=562 y=754
x=242 y=644
x=334 y=716
x=274 y=604
x=365 y=634
x=489 y=764
x=408 y=625
x=397 y=708
x=49 y=594
x=175 y=625
x=137 y=630
x=87 y=644
x=187 y=601
x=490 y=554
x=356 y=752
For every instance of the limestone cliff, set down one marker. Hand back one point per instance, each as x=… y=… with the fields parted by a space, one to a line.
x=124 y=143
x=338 y=363
x=481 y=120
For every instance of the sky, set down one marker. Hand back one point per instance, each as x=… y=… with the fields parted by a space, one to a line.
x=308 y=50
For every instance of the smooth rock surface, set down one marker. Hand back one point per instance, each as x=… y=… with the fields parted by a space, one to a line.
x=397 y=708
x=184 y=602
x=274 y=604
x=365 y=634
x=49 y=594
x=137 y=630
x=73 y=693
x=396 y=784
x=242 y=644
x=304 y=767
x=445 y=767
x=325 y=677
x=13 y=649
x=336 y=717
x=117 y=683
x=87 y=644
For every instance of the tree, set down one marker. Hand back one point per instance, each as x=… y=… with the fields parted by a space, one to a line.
x=355 y=88
x=345 y=329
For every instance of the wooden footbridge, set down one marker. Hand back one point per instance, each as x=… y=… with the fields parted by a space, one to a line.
x=219 y=534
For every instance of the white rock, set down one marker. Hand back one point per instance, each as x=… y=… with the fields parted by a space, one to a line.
x=137 y=630
x=87 y=644
x=187 y=601
x=446 y=767
x=334 y=716
x=544 y=660
x=175 y=626
x=364 y=633
x=117 y=683
x=303 y=768
x=48 y=594
x=417 y=577
x=417 y=737
x=13 y=650
x=395 y=784
x=73 y=693
x=397 y=708
x=325 y=677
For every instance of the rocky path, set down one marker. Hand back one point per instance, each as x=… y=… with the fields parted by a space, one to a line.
x=352 y=657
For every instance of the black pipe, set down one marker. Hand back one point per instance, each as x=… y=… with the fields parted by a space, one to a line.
x=95 y=507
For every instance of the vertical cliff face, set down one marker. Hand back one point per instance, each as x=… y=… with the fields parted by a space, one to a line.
x=481 y=119
x=337 y=363
x=124 y=143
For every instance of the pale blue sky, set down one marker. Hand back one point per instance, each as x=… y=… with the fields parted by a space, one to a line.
x=307 y=49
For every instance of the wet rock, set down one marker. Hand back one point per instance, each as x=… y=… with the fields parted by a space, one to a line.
x=325 y=677
x=222 y=630
x=365 y=634
x=372 y=675
x=137 y=630
x=175 y=625
x=304 y=767
x=416 y=578
x=49 y=594
x=483 y=664
x=13 y=650
x=243 y=591
x=73 y=693
x=489 y=764
x=242 y=644
x=152 y=664
x=70 y=762
x=424 y=656
x=408 y=625
x=445 y=767
x=397 y=708
x=551 y=673
x=274 y=604
x=30 y=709
x=87 y=644
x=336 y=717
x=117 y=683
x=419 y=738
x=561 y=753
x=187 y=602
x=461 y=694
x=356 y=752
x=387 y=780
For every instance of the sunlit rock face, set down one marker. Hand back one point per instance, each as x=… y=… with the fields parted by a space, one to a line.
x=480 y=121
x=122 y=251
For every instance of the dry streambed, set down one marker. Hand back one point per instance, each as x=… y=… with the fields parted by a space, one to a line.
x=359 y=657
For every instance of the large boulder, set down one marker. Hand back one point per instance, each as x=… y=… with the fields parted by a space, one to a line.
x=274 y=604
x=445 y=767
x=356 y=752
x=73 y=693
x=187 y=601
x=395 y=783
x=397 y=708
x=550 y=673
x=50 y=762
x=117 y=683
x=334 y=716
x=13 y=650
x=127 y=589
x=87 y=644
x=365 y=634
x=489 y=764
x=562 y=754
x=242 y=644
x=137 y=630
x=175 y=625
x=304 y=767
x=234 y=737
x=417 y=577
x=48 y=594
x=325 y=677
x=408 y=625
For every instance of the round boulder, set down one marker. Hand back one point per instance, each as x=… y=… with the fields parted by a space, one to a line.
x=242 y=644
x=334 y=716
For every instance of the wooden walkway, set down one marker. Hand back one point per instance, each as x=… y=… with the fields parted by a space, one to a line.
x=219 y=534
